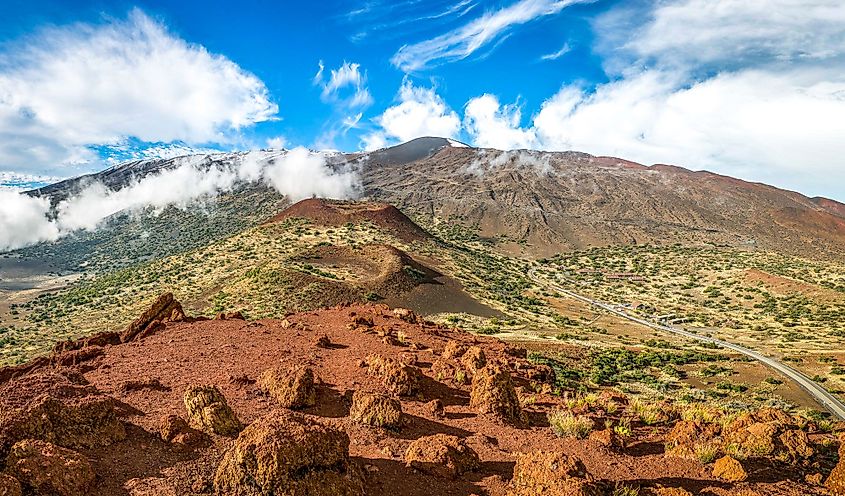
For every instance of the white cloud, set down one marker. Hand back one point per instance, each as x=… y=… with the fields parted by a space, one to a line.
x=741 y=32
x=16 y=181
x=23 y=220
x=420 y=112
x=67 y=88
x=558 y=54
x=492 y=125
x=753 y=89
x=297 y=174
x=462 y=42
x=347 y=75
x=774 y=127
x=277 y=142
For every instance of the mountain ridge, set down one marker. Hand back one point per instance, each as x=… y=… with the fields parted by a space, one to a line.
x=540 y=203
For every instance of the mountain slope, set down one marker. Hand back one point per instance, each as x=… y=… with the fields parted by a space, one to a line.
x=558 y=201
x=541 y=203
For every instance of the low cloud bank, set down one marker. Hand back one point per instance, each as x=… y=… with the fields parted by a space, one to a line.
x=297 y=174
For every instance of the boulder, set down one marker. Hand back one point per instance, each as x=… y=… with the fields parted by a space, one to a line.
x=473 y=359
x=729 y=469
x=9 y=486
x=286 y=453
x=406 y=315
x=236 y=315
x=795 y=445
x=164 y=309
x=686 y=435
x=434 y=409
x=291 y=387
x=323 y=341
x=835 y=482
x=441 y=455
x=403 y=380
x=57 y=407
x=376 y=409
x=45 y=468
x=174 y=429
x=454 y=350
x=493 y=394
x=208 y=411
x=552 y=473
x=607 y=438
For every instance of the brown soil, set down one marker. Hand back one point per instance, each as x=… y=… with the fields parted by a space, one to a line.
x=233 y=354
x=786 y=286
x=337 y=213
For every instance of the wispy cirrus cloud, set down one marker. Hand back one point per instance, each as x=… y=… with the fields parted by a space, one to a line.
x=558 y=54
x=347 y=75
x=462 y=42
x=346 y=91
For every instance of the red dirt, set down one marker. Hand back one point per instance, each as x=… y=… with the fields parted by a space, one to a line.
x=232 y=354
x=338 y=212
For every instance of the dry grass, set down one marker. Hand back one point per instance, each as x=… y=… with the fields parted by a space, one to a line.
x=566 y=424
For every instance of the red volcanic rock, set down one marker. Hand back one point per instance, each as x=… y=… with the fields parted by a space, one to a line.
x=441 y=455
x=164 y=309
x=49 y=469
x=337 y=213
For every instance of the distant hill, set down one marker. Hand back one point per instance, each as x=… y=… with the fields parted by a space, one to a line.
x=338 y=212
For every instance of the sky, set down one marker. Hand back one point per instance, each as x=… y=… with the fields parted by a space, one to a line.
x=749 y=88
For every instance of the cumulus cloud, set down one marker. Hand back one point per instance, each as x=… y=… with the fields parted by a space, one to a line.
x=493 y=125
x=67 y=88
x=23 y=220
x=297 y=174
x=462 y=42
x=747 y=88
x=420 y=112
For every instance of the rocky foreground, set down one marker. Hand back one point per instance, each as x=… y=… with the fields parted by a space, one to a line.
x=366 y=400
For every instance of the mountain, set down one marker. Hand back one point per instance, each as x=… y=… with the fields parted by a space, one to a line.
x=541 y=203
x=559 y=201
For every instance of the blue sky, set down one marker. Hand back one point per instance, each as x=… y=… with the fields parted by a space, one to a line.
x=747 y=88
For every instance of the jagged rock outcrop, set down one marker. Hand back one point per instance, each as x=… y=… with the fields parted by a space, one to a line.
x=473 y=359
x=767 y=432
x=835 y=482
x=687 y=435
x=209 y=411
x=285 y=453
x=164 y=309
x=174 y=429
x=47 y=469
x=59 y=408
x=290 y=387
x=441 y=455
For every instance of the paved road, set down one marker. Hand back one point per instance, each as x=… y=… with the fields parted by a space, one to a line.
x=820 y=394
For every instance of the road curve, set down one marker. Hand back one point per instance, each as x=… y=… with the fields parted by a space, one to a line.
x=820 y=394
